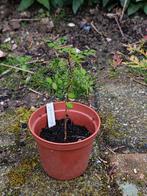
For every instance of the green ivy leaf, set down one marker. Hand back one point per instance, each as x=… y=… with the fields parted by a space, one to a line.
x=54 y=86
x=145 y=8
x=24 y=4
x=134 y=8
x=69 y=105
x=45 y=3
x=76 y=4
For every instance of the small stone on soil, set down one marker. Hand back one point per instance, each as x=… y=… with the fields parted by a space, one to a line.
x=135 y=171
x=7 y=40
x=71 y=25
x=2 y=54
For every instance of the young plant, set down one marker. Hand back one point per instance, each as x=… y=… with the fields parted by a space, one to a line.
x=69 y=80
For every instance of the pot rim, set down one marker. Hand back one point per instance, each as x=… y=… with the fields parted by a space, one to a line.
x=86 y=140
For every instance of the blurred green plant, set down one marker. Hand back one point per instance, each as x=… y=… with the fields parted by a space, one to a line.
x=131 y=6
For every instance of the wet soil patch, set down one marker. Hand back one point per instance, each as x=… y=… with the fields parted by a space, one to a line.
x=56 y=134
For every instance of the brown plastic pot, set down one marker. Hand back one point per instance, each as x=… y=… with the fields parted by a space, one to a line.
x=65 y=161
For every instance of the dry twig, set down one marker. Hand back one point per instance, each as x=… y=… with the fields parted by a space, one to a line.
x=116 y=19
x=25 y=19
x=102 y=160
x=36 y=92
x=117 y=148
x=110 y=150
x=94 y=27
x=17 y=68
x=115 y=16
x=139 y=82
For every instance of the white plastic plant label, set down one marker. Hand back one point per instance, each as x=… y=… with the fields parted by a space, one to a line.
x=50 y=114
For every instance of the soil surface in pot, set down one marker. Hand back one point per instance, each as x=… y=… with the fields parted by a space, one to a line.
x=56 y=133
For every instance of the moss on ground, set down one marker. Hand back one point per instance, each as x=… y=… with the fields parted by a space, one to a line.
x=95 y=181
x=19 y=117
x=113 y=73
x=110 y=126
x=14 y=125
x=19 y=174
x=6 y=46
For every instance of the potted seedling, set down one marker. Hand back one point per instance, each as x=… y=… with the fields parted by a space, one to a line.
x=65 y=147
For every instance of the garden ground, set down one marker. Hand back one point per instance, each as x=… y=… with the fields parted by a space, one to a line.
x=119 y=160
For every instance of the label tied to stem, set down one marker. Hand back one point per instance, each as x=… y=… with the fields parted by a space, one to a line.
x=50 y=114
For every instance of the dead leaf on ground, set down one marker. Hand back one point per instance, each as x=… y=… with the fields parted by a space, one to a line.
x=117 y=60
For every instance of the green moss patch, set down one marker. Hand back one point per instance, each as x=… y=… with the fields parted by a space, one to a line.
x=19 y=174
x=110 y=126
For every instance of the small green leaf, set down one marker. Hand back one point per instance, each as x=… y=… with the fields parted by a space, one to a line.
x=62 y=40
x=24 y=67
x=71 y=95
x=54 y=86
x=49 y=80
x=28 y=79
x=69 y=105
x=24 y=4
x=50 y=44
x=105 y=2
x=83 y=71
x=45 y=3
x=134 y=8
x=59 y=81
x=145 y=8
x=76 y=4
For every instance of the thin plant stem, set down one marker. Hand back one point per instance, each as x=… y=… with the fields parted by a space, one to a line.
x=65 y=127
x=122 y=33
x=17 y=68
x=66 y=98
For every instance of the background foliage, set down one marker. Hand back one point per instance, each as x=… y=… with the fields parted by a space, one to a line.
x=65 y=76
x=131 y=6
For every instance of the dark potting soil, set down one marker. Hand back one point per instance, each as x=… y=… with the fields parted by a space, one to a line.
x=56 y=133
